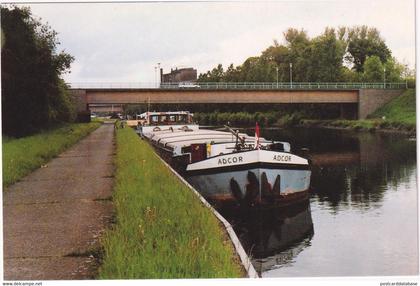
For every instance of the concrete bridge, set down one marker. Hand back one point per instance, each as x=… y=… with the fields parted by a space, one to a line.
x=354 y=102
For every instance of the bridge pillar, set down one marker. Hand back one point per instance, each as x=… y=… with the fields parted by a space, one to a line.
x=80 y=97
x=371 y=99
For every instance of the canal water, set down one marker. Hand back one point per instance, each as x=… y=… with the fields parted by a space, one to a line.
x=361 y=219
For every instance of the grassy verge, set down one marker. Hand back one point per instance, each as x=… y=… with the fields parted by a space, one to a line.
x=401 y=110
x=367 y=125
x=236 y=118
x=362 y=125
x=23 y=155
x=162 y=229
x=399 y=114
x=98 y=119
x=247 y=119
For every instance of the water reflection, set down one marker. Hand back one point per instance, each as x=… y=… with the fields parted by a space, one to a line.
x=363 y=189
x=352 y=168
x=274 y=236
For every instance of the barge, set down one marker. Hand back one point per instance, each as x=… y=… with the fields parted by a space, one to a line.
x=228 y=167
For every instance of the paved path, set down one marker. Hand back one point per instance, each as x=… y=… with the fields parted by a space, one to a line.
x=53 y=218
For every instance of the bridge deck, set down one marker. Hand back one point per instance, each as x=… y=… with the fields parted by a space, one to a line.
x=366 y=100
x=127 y=96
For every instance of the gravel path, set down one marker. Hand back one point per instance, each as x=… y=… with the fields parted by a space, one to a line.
x=53 y=218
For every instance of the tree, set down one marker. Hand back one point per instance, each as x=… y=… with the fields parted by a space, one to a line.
x=325 y=57
x=204 y=77
x=298 y=44
x=393 y=70
x=336 y=55
x=349 y=75
x=364 y=42
x=373 y=69
x=215 y=75
x=33 y=94
x=295 y=38
x=279 y=56
x=256 y=69
x=232 y=74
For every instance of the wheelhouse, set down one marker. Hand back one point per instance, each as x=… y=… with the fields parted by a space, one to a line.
x=166 y=118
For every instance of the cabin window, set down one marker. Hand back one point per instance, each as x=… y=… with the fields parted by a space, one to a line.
x=182 y=118
x=172 y=118
x=154 y=119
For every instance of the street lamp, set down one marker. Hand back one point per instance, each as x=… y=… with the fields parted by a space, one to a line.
x=291 y=78
x=277 y=76
x=155 y=76
x=159 y=73
x=384 y=77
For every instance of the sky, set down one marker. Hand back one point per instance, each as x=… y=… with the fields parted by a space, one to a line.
x=123 y=42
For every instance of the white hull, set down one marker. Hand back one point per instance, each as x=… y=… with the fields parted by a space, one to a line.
x=229 y=165
x=277 y=159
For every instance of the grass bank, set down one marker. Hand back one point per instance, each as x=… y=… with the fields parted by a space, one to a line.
x=236 y=118
x=162 y=230
x=248 y=119
x=22 y=156
x=398 y=115
x=401 y=110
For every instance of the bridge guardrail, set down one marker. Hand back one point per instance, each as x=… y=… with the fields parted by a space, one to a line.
x=240 y=85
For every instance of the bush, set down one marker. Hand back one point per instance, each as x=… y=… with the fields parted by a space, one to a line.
x=23 y=155
x=83 y=117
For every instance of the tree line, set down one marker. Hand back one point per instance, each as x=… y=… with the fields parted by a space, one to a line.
x=344 y=54
x=34 y=95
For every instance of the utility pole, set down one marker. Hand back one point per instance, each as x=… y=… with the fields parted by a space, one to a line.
x=277 y=76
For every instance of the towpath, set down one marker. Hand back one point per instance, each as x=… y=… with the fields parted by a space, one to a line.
x=53 y=218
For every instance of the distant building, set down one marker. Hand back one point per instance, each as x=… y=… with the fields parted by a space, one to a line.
x=179 y=75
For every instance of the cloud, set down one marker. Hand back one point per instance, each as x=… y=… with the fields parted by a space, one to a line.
x=125 y=41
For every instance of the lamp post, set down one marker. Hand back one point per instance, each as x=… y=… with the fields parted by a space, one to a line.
x=384 y=77
x=155 y=76
x=291 y=77
x=277 y=76
x=159 y=74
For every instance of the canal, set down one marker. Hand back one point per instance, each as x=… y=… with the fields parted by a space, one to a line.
x=361 y=218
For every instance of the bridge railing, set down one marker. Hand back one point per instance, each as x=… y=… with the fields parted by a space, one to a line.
x=241 y=85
